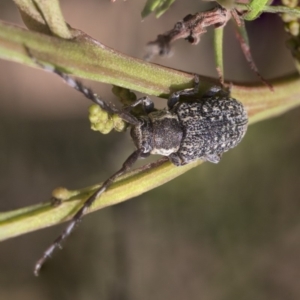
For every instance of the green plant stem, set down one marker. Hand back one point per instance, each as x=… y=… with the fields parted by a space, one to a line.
x=218 y=46
x=43 y=215
x=87 y=58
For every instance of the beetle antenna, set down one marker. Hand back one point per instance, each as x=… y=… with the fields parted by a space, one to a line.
x=87 y=204
x=87 y=92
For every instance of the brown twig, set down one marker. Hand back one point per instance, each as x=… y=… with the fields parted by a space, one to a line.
x=190 y=28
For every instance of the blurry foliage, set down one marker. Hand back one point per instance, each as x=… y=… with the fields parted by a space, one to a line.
x=159 y=7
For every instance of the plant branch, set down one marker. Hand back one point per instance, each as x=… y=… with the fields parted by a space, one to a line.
x=43 y=215
x=87 y=58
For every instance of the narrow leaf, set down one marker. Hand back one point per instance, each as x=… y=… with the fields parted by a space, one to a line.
x=44 y=16
x=159 y=7
x=255 y=8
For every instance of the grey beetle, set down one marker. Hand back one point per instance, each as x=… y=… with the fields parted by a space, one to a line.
x=186 y=131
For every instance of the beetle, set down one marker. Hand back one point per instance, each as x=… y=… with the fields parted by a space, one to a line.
x=196 y=128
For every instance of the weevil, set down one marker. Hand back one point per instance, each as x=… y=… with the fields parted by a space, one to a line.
x=200 y=128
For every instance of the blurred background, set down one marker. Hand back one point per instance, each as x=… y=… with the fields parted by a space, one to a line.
x=226 y=231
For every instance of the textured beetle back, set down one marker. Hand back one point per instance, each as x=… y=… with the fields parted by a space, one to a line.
x=211 y=127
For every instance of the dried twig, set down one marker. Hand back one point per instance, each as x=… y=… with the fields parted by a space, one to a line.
x=190 y=28
x=193 y=26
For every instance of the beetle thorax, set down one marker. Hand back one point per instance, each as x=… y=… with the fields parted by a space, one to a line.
x=159 y=133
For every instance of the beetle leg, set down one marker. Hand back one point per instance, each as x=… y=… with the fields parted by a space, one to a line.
x=174 y=97
x=145 y=101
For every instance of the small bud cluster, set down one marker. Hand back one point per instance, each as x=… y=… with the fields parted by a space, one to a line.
x=104 y=122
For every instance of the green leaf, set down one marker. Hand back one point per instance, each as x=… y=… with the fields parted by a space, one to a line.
x=273 y=9
x=159 y=7
x=44 y=16
x=255 y=9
